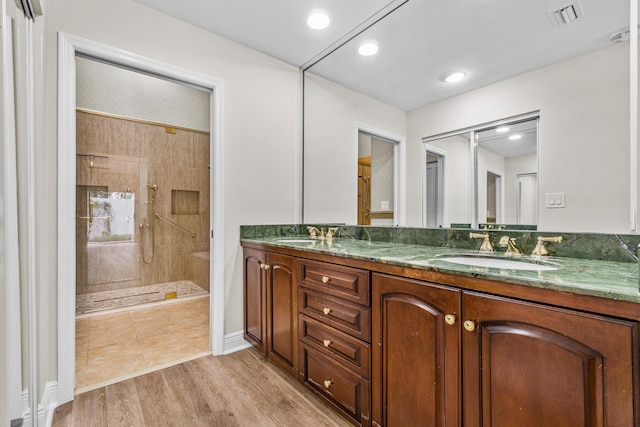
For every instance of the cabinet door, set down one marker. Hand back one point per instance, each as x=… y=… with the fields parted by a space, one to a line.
x=415 y=356
x=282 y=322
x=255 y=298
x=529 y=365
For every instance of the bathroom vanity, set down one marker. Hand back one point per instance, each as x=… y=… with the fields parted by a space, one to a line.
x=389 y=334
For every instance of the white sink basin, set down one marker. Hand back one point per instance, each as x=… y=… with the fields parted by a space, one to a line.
x=295 y=240
x=499 y=263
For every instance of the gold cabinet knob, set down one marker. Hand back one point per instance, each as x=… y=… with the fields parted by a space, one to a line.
x=326 y=343
x=265 y=266
x=325 y=279
x=450 y=319
x=326 y=310
x=469 y=325
x=327 y=383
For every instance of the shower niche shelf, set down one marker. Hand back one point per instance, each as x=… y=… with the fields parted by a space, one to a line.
x=185 y=202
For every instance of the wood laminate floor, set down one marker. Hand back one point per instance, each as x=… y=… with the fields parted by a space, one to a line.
x=240 y=389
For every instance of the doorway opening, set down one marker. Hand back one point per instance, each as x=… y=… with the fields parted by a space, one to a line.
x=142 y=222
x=434 y=189
x=376 y=180
x=131 y=196
x=494 y=199
x=527 y=198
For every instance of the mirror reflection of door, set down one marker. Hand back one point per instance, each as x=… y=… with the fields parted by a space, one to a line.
x=364 y=190
x=506 y=156
x=527 y=198
x=375 y=180
x=434 y=190
x=494 y=184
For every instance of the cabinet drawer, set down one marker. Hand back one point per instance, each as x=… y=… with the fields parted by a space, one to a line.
x=344 y=282
x=344 y=390
x=342 y=315
x=345 y=349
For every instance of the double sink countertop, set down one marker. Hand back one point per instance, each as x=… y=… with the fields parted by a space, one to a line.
x=607 y=279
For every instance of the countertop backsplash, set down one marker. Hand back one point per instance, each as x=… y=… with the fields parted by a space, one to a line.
x=595 y=246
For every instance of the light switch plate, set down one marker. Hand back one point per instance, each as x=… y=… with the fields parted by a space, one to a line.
x=556 y=200
x=384 y=205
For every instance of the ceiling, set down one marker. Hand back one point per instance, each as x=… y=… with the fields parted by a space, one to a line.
x=419 y=41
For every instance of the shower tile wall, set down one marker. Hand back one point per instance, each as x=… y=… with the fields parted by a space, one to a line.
x=128 y=155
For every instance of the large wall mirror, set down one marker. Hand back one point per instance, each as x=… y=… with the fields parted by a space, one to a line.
x=567 y=65
x=483 y=177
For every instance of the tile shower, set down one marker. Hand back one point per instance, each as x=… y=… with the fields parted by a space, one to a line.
x=142 y=209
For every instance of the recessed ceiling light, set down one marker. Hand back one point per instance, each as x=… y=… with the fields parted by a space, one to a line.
x=454 y=76
x=368 y=49
x=515 y=136
x=502 y=129
x=318 y=20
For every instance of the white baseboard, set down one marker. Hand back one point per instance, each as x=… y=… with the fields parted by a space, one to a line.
x=46 y=407
x=235 y=342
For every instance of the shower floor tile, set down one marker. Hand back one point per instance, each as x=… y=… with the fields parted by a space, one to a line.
x=108 y=300
x=114 y=346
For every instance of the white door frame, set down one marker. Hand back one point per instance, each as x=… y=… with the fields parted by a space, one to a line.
x=399 y=190
x=11 y=274
x=68 y=47
x=442 y=154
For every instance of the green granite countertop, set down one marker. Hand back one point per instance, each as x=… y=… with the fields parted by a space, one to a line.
x=608 y=279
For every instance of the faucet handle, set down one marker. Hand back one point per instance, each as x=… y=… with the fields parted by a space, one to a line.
x=540 y=250
x=510 y=244
x=486 y=244
x=313 y=231
x=330 y=232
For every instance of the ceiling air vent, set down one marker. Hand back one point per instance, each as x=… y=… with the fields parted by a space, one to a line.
x=566 y=14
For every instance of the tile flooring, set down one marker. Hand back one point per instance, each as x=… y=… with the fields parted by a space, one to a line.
x=115 y=346
x=106 y=300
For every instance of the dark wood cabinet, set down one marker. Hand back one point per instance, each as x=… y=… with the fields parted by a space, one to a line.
x=388 y=347
x=416 y=353
x=271 y=323
x=255 y=298
x=453 y=357
x=531 y=365
x=335 y=336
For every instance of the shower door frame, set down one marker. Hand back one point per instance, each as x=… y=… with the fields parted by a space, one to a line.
x=68 y=47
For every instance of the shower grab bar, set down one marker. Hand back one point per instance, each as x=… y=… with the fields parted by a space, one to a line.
x=176 y=225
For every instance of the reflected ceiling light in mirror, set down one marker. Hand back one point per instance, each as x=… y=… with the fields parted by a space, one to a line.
x=368 y=48
x=454 y=76
x=318 y=20
x=502 y=129
x=515 y=137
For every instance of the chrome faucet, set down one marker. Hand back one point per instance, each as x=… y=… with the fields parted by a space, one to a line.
x=486 y=244
x=510 y=244
x=540 y=250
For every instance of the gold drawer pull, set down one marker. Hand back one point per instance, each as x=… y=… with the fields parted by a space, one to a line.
x=326 y=343
x=327 y=383
x=325 y=279
x=450 y=319
x=265 y=266
x=326 y=310
x=470 y=325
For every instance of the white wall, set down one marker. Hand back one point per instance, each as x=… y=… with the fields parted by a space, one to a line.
x=457 y=178
x=583 y=136
x=260 y=133
x=332 y=116
x=514 y=166
x=488 y=161
x=114 y=90
x=381 y=174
